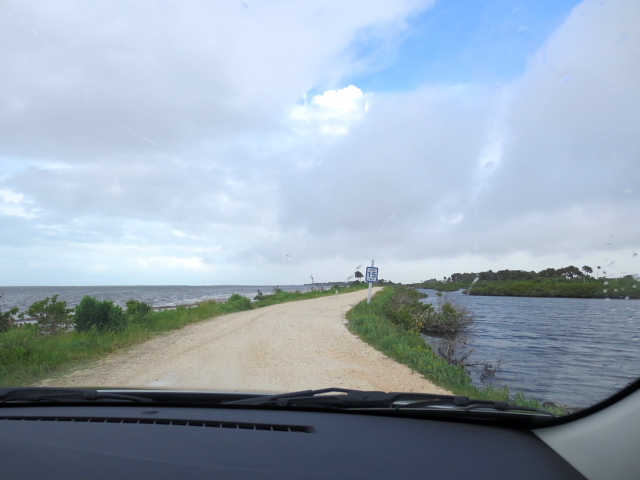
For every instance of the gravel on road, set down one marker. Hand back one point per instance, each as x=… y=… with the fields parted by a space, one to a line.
x=286 y=347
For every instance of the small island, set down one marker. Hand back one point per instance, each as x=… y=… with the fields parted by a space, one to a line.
x=567 y=282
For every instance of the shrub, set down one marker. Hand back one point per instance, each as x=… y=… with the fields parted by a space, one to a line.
x=136 y=309
x=447 y=318
x=404 y=308
x=53 y=316
x=7 y=318
x=104 y=316
x=238 y=302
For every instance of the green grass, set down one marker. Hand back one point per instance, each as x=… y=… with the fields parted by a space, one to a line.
x=370 y=323
x=281 y=296
x=26 y=358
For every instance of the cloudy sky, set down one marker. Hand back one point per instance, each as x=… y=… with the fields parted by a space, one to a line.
x=261 y=142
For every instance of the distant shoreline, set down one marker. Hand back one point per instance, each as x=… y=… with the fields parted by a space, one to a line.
x=626 y=288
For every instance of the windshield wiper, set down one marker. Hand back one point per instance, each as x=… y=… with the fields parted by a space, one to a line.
x=357 y=399
x=44 y=394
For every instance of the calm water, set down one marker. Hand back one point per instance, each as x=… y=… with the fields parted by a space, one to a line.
x=570 y=351
x=158 y=296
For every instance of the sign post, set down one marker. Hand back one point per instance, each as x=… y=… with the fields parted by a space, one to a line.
x=371 y=277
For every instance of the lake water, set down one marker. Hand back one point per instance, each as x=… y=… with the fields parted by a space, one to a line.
x=157 y=296
x=570 y=351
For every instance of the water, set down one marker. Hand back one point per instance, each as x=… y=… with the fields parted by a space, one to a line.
x=565 y=350
x=157 y=296
x=570 y=351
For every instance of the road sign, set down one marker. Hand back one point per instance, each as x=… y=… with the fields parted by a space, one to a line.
x=371 y=275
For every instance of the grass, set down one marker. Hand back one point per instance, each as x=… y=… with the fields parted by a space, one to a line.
x=26 y=358
x=371 y=324
x=280 y=296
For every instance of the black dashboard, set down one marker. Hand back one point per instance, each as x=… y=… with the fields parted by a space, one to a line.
x=96 y=442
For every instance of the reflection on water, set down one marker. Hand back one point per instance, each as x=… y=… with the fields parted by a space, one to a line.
x=569 y=351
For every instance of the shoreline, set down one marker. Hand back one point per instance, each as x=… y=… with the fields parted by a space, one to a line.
x=284 y=347
x=618 y=288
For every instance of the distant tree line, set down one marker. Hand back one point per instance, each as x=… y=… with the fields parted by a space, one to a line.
x=568 y=273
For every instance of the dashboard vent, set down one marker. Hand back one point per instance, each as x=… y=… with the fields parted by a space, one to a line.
x=162 y=421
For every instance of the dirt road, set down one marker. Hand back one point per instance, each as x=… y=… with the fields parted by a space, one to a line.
x=292 y=346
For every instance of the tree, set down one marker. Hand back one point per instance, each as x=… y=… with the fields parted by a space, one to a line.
x=358 y=275
x=136 y=308
x=569 y=272
x=7 y=318
x=548 y=273
x=587 y=270
x=104 y=315
x=53 y=316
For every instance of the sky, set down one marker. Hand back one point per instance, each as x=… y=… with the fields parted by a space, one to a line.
x=268 y=142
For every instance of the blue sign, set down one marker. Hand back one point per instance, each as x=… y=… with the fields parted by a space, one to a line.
x=371 y=275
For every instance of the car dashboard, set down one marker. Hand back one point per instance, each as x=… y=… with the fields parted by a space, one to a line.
x=80 y=442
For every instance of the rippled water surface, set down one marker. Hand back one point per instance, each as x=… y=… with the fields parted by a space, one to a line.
x=569 y=351
x=158 y=296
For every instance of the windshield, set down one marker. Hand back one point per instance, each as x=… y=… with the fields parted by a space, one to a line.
x=256 y=196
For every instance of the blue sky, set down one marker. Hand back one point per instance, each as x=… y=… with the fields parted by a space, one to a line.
x=463 y=41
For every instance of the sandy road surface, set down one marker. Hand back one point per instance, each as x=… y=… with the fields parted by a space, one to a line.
x=292 y=346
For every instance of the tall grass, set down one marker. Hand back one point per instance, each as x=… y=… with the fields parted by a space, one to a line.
x=280 y=296
x=370 y=323
x=27 y=357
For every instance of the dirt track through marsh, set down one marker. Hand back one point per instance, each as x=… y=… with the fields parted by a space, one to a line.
x=291 y=346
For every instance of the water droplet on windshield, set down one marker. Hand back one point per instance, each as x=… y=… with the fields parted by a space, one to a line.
x=605 y=290
x=626 y=298
x=606 y=283
x=634 y=339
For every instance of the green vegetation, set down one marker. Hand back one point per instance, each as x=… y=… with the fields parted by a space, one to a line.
x=7 y=318
x=569 y=282
x=404 y=308
x=29 y=353
x=27 y=356
x=372 y=324
x=625 y=287
x=137 y=309
x=280 y=296
x=53 y=316
x=103 y=316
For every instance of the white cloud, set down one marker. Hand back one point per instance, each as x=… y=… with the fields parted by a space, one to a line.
x=163 y=162
x=14 y=204
x=333 y=111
